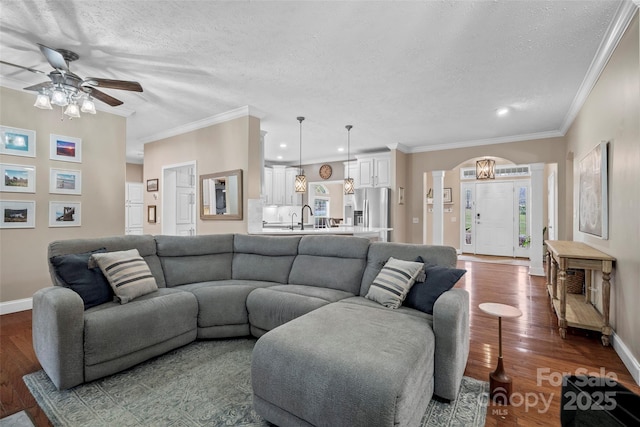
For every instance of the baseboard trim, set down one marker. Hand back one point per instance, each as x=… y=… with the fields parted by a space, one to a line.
x=632 y=364
x=537 y=271
x=16 y=305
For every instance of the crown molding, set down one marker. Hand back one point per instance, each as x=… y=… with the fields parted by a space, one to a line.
x=18 y=85
x=490 y=141
x=616 y=30
x=247 y=110
x=400 y=147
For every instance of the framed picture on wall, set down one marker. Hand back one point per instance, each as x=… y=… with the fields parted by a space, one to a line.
x=593 y=209
x=65 y=148
x=152 y=184
x=18 y=178
x=18 y=214
x=62 y=181
x=151 y=213
x=446 y=195
x=17 y=142
x=64 y=214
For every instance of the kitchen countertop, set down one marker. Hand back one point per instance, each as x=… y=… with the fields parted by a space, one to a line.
x=344 y=230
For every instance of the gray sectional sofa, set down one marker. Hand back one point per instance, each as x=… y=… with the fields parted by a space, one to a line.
x=326 y=355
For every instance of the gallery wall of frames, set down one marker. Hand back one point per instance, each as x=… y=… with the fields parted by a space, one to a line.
x=65 y=177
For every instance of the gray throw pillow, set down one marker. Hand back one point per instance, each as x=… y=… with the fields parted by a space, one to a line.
x=89 y=283
x=127 y=273
x=391 y=285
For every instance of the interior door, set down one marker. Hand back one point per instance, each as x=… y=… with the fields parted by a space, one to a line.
x=185 y=202
x=552 y=207
x=494 y=219
x=178 y=200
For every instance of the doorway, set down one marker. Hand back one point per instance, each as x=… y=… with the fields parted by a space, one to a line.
x=495 y=218
x=179 y=199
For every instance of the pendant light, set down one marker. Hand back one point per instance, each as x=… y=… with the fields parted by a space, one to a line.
x=348 y=182
x=486 y=169
x=301 y=180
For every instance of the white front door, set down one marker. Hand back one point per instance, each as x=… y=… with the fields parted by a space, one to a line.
x=494 y=219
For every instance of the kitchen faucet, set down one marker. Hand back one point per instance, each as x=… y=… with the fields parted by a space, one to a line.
x=292 y=215
x=302 y=215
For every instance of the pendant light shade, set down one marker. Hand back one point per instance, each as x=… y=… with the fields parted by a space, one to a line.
x=301 y=179
x=486 y=169
x=348 y=182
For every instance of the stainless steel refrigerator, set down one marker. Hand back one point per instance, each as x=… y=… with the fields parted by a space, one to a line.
x=371 y=207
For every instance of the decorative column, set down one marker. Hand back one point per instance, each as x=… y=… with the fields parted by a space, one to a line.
x=438 y=207
x=537 y=189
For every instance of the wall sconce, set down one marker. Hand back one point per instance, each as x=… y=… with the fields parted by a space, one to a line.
x=486 y=169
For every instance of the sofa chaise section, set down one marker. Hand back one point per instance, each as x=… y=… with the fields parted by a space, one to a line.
x=345 y=365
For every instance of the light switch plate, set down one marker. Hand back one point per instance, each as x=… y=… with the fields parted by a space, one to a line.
x=416 y=220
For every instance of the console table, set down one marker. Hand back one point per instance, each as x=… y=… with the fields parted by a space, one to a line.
x=576 y=310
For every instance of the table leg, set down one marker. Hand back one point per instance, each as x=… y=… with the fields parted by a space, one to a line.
x=562 y=316
x=554 y=278
x=606 y=289
x=499 y=381
x=548 y=275
x=587 y=286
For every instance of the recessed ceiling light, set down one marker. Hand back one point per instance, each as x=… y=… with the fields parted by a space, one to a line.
x=283 y=145
x=502 y=111
x=341 y=149
x=279 y=157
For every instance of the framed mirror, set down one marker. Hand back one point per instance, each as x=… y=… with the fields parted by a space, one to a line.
x=221 y=195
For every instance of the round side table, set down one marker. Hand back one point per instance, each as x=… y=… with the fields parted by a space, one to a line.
x=499 y=381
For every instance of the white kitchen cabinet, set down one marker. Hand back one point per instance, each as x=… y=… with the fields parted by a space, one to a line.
x=374 y=170
x=134 y=208
x=268 y=186
x=279 y=186
x=279 y=177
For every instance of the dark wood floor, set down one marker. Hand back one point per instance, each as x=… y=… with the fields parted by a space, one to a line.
x=531 y=344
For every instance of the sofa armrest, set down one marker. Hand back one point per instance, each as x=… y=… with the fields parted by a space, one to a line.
x=451 y=329
x=58 y=334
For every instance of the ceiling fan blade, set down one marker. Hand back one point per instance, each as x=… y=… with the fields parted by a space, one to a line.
x=114 y=84
x=55 y=58
x=39 y=86
x=24 y=68
x=107 y=99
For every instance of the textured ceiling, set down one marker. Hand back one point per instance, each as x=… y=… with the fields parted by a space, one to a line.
x=421 y=74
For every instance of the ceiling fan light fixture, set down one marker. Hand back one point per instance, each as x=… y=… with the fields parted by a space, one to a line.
x=58 y=97
x=42 y=102
x=88 y=106
x=73 y=111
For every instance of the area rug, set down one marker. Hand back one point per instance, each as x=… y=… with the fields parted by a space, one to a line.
x=206 y=383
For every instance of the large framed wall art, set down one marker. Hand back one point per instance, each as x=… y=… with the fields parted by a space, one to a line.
x=593 y=192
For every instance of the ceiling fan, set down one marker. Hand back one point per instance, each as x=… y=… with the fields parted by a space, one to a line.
x=67 y=88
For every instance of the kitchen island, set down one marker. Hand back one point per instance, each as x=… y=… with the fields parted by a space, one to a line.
x=372 y=233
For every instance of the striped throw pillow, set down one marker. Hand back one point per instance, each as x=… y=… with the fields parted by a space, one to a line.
x=127 y=273
x=392 y=284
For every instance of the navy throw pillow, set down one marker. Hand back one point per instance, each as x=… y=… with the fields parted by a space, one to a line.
x=423 y=295
x=89 y=283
